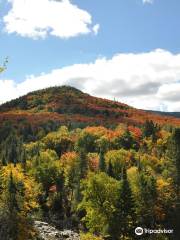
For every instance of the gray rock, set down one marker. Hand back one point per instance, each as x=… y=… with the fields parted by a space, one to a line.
x=48 y=232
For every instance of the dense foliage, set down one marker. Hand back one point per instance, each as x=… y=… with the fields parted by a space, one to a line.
x=69 y=106
x=103 y=181
x=87 y=164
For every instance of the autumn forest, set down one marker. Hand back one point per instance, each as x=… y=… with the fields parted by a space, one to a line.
x=98 y=167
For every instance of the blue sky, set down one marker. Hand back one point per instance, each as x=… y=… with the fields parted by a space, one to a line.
x=86 y=35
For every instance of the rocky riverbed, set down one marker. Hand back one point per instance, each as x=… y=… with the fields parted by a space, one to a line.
x=48 y=232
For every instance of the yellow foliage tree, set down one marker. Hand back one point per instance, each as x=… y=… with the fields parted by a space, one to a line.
x=89 y=236
x=17 y=200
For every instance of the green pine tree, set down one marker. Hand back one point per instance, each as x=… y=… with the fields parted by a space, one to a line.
x=110 y=169
x=81 y=172
x=175 y=156
x=150 y=130
x=102 y=164
x=147 y=199
x=82 y=164
x=9 y=216
x=124 y=217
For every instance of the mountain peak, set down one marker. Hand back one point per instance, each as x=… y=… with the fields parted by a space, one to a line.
x=58 y=89
x=41 y=99
x=68 y=104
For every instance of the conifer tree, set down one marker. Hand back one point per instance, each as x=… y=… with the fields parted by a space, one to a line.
x=13 y=208
x=10 y=214
x=23 y=158
x=12 y=150
x=175 y=156
x=18 y=198
x=102 y=164
x=150 y=130
x=123 y=221
x=110 y=169
x=81 y=172
x=147 y=199
x=77 y=194
x=82 y=164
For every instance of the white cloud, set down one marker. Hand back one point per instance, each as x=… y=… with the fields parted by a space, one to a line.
x=148 y=1
x=40 y=18
x=145 y=80
x=96 y=29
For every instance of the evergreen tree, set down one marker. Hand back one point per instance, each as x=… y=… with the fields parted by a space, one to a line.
x=81 y=172
x=110 y=169
x=77 y=194
x=126 y=141
x=82 y=164
x=10 y=212
x=124 y=217
x=175 y=156
x=58 y=204
x=23 y=158
x=102 y=164
x=18 y=197
x=12 y=150
x=147 y=199
x=13 y=208
x=150 y=130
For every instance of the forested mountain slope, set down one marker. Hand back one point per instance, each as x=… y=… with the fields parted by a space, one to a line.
x=96 y=167
x=67 y=104
x=171 y=114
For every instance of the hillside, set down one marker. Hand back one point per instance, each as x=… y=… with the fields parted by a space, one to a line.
x=172 y=114
x=74 y=166
x=69 y=105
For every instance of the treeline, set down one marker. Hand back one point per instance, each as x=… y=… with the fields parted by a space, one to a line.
x=26 y=131
x=101 y=182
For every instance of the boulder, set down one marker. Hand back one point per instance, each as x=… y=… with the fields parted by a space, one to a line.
x=48 y=232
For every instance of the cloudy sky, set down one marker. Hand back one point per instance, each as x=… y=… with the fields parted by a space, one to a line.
x=123 y=49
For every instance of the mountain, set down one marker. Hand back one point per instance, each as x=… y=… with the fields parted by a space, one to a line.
x=56 y=177
x=66 y=104
x=172 y=114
